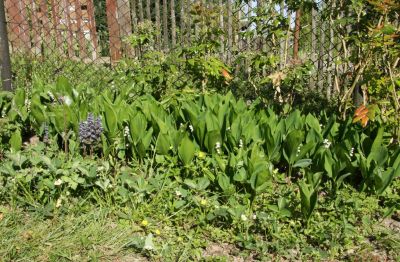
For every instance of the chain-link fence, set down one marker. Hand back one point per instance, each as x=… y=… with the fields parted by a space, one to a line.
x=74 y=36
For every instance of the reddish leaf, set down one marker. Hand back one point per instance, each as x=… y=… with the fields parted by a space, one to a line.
x=226 y=75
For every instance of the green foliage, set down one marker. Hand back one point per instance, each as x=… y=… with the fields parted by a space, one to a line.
x=234 y=146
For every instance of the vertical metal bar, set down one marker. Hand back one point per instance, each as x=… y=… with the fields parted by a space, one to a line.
x=221 y=24
x=81 y=34
x=314 y=50
x=4 y=50
x=296 y=35
x=158 y=24
x=230 y=31
x=37 y=45
x=173 y=24
x=93 y=33
x=165 y=24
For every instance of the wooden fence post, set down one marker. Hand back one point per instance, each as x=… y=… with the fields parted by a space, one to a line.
x=18 y=25
x=113 y=28
x=44 y=23
x=125 y=24
x=5 y=62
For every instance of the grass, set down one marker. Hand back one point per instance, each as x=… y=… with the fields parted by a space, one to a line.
x=348 y=227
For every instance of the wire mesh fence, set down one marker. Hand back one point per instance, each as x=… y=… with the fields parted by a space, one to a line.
x=75 y=36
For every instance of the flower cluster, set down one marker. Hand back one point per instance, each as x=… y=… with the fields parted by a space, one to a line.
x=240 y=143
x=28 y=105
x=126 y=131
x=327 y=143
x=351 y=154
x=90 y=130
x=218 y=147
x=299 y=150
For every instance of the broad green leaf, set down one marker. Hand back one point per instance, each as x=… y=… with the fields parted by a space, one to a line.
x=163 y=144
x=202 y=183
x=302 y=163
x=308 y=199
x=379 y=154
x=110 y=119
x=224 y=182
x=19 y=98
x=16 y=140
x=211 y=140
x=190 y=183
x=383 y=178
x=38 y=113
x=212 y=122
x=186 y=151
x=378 y=140
x=240 y=175
x=313 y=122
x=328 y=165
x=292 y=143
x=62 y=85
x=260 y=175
x=138 y=126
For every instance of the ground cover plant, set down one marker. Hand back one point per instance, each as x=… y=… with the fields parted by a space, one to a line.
x=224 y=178
x=177 y=156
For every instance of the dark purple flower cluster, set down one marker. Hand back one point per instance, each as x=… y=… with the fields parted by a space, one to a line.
x=90 y=130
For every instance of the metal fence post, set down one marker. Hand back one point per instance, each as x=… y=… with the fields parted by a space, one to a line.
x=5 y=62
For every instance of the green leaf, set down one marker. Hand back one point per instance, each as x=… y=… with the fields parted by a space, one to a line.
x=308 y=199
x=38 y=113
x=186 y=151
x=190 y=183
x=303 y=163
x=378 y=140
x=62 y=85
x=212 y=122
x=240 y=175
x=328 y=163
x=19 y=98
x=292 y=143
x=202 y=183
x=384 y=178
x=110 y=119
x=260 y=175
x=16 y=140
x=379 y=155
x=212 y=137
x=163 y=144
x=138 y=126
x=224 y=182
x=313 y=122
